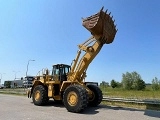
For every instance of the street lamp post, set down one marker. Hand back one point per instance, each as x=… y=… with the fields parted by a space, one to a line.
x=15 y=76
x=27 y=66
x=1 y=77
x=27 y=72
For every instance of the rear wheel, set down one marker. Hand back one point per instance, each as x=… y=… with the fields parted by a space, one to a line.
x=75 y=98
x=40 y=95
x=96 y=97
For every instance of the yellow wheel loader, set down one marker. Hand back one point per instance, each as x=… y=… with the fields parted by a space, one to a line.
x=66 y=83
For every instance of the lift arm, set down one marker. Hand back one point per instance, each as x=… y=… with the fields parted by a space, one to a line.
x=103 y=32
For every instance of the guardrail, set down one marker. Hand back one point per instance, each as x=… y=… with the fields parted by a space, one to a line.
x=138 y=101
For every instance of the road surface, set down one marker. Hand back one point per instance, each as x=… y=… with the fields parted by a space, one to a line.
x=21 y=108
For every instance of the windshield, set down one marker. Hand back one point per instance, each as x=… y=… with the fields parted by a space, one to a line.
x=60 y=69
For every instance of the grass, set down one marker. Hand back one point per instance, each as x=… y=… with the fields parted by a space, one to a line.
x=119 y=92
x=148 y=93
x=16 y=91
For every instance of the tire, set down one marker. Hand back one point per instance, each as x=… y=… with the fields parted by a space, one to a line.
x=97 y=96
x=40 y=95
x=75 y=98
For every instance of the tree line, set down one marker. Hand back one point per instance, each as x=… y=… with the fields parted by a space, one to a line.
x=132 y=81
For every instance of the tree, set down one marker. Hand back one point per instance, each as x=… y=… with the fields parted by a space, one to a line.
x=133 y=81
x=155 y=84
x=7 y=84
x=119 y=85
x=127 y=81
x=104 y=84
x=113 y=83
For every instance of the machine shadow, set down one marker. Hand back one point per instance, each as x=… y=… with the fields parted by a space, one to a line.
x=54 y=104
x=88 y=110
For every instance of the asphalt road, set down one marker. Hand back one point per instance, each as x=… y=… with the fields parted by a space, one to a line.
x=21 y=108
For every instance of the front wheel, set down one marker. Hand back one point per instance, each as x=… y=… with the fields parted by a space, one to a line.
x=96 y=95
x=75 y=98
x=40 y=95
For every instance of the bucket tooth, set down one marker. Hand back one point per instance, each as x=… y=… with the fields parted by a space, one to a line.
x=102 y=8
x=106 y=11
x=112 y=16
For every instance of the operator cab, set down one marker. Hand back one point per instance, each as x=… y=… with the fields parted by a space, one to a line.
x=60 y=71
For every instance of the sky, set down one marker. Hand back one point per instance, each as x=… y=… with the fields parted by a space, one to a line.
x=48 y=31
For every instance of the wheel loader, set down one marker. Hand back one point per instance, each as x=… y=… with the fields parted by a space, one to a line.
x=66 y=83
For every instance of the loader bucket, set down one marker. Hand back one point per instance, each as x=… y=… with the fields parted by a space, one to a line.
x=101 y=26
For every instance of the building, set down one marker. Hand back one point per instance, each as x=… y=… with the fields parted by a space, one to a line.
x=19 y=83
x=1 y=86
x=27 y=81
x=13 y=84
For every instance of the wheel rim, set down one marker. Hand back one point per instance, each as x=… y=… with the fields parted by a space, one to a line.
x=72 y=98
x=93 y=97
x=37 y=95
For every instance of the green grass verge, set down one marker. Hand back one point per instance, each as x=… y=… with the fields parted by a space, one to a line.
x=118 y=92
x=148 y=93
x=13 y=91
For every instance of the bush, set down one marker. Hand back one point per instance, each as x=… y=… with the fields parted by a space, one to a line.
x=155 y=84
x=114 y=84
x=138 y=85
